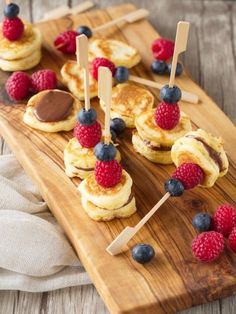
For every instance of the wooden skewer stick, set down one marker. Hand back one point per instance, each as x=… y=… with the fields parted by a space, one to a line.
x=181 y=40
x=104 y=94
x=65 y=10
x=82 y=60
x=186 y=96
x=128 y=18
x=127 y=234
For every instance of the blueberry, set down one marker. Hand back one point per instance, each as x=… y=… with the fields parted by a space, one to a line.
x=84 y=30
x=87 y=117
x=118 y=125
x=178 y=71
x=122 y=74
x=105 y=152
x=159 y=67
x=171 y=95
x=174 y=187
x=143 y=253
x=113 y=135
x=202 y=222
x=11 y=10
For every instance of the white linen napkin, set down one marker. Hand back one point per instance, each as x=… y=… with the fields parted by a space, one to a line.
x=35 y=254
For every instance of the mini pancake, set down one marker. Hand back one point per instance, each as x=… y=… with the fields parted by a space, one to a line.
x=106 y=198
x=107 y=203
x=128 y=101
x=205 y=150
x=72 y=77
x=66 y=124
x=157 y=154
x=120 y=53
x=30 y=41
x=21 y=64
x=150 y=131
x=80 y=161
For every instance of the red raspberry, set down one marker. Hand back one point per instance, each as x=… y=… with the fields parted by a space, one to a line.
x=12 y=29
x=98 y=62
x=232 y=240
x=43 y=79
x=207 y=246
x=224 y=219
x=18 y=85
x=189 y=174
x=88 y=135
x=66 y=41
x=167 y=115
x=163 y=49
x=108 y=173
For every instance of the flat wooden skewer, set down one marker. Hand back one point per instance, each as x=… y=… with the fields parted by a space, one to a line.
x=104 y=94
x=181 y=40
x=128 y=18
x=82 y=60
x=186 y=96
x=127 y=234
x=65 y=10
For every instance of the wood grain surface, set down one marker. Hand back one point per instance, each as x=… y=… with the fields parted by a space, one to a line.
x=216 y=307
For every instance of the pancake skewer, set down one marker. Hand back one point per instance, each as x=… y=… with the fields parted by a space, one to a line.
x=82 y=60
x=128 y=233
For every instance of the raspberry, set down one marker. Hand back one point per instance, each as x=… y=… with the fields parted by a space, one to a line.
x=167 y=115
x=12 y=29
x=66 y=41
x=43 y=79
x=88 y=135
x=98 y=62
x=207 y=246
x=224 y=219
x=107 y=173
x=189 y=174
x=18 y=85
x=163 y=49
x=232 y=240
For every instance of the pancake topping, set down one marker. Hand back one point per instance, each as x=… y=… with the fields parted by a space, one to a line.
x=54 y=106
x=156 y=148
x=212 y=152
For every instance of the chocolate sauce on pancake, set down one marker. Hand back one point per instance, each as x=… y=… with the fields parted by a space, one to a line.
x=54 y=106
x=156 y=148
x=212 y=153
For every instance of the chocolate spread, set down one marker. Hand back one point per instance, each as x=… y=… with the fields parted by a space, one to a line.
x=54 y=106
x=212 y=153
x=156 y=148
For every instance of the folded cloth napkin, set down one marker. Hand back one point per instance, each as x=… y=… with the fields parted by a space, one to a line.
x=35 y=254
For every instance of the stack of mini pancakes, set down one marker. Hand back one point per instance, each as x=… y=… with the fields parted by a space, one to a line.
x=22 y=54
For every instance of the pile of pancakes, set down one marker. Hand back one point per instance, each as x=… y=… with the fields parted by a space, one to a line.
x=22 y=54
x=153 y=142
x=103 y=204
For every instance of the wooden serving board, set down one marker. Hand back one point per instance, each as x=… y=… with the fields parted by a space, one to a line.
x=174 y=280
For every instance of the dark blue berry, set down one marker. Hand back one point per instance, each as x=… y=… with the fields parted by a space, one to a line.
x=202 y=222
x=11 y=10
x=105 y=152
x=118 y=125
x=113 y=135
x=179 y=69
x=171 y=95
x=159 y=67
x=143 y=253
x=174 y=187
x=87 y=117
x=122 y=74
x=84 y=30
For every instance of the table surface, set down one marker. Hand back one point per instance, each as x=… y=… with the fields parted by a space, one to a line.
x=210 y=60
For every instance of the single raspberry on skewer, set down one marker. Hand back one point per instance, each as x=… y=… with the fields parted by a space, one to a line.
x=167 y=116
x=108 y=173
x=65 y=42
x=186 y=176
x=102 y=62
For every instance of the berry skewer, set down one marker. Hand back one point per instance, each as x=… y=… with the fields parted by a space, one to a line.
x=63 y=41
